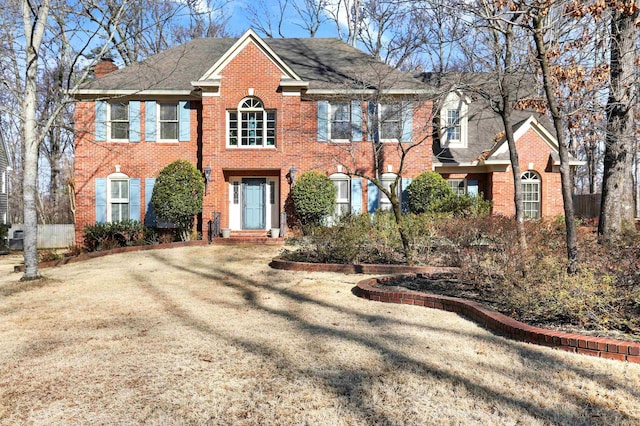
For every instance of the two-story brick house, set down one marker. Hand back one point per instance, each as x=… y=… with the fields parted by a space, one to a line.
x=248 y=111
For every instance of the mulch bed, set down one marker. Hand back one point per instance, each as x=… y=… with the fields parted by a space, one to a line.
x=449 y=285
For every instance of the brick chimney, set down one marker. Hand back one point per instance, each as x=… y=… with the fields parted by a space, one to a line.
x=104 y=67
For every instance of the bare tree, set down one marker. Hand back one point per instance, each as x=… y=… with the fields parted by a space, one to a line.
x=617 y=210
x=540 y=29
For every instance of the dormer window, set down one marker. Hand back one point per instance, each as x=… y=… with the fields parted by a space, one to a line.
x=251 y=125
x=453 y=121
x=453 y=125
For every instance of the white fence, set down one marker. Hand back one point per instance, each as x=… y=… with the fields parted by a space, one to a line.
x=51 y=236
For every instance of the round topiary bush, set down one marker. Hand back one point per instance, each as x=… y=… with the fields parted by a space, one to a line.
x=428 y=193
x=314 y=197
x=177 y=195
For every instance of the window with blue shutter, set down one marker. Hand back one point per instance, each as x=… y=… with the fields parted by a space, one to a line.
x=373 y=197
x=405 y=194
x=356 y=121
x=150 y=214
x=101 y=121
x=134 y=121
x=184 y=110
x=101 y=200
x=134 y=199
x=150 y=121
x=356 y=196
x=323 y=121
x=407 y=121
x=472 y=188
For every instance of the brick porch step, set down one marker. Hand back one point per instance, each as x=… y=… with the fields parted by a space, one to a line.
x=248 y=239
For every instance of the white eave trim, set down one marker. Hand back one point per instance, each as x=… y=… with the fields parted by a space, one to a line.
x=572 y=163
x=128 y=92
x=238 y=46
x=211 y=83
x=293 y=83
x=369 y=92
x=466 y=164
x=490 y=162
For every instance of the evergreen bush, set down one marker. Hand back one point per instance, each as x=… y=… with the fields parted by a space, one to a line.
x=177 y=195
x=314 y=197
x=429 y=193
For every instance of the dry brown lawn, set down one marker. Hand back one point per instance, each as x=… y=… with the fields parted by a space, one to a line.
x=212 y=335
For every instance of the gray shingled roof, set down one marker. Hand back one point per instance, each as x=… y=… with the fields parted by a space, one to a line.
x=327 y=64
x=485 y=129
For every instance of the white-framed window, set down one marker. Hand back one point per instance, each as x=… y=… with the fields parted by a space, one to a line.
x=118 y=124
x=530 y=181
x=458 y=186
x=251 y=126
x=390 y=121
x=118 y=198
x=454 y=121
x=387 y=180
x=343 y=194
x=168 y=121
x=340 y=121
x=453 y=125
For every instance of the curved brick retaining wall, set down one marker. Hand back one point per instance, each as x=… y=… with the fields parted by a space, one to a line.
x=595 y=346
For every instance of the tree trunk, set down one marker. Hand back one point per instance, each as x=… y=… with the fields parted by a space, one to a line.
x=34 y=27
x=617 y=208
x=565 y=169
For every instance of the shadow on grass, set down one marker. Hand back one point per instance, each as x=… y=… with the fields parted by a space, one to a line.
x=359 y=381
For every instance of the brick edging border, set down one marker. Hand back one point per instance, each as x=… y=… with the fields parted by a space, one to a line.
x=595 y=346
x=355 y=268
x=94 y=254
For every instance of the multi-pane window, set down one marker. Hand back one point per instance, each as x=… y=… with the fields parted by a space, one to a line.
x=251 y=125
x=531 y=194
x=236 y=192
x=453 y=125
x=168 y=121
x=343 y=205
x=119 y=120
x=340 y=121
x=390 y=121
x=457 y=186
x=119 y=199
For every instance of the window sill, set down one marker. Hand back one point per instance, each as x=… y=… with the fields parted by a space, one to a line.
x=251 y=148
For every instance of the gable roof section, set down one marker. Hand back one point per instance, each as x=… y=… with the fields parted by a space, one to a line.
x=330 y=66
x=249 y=37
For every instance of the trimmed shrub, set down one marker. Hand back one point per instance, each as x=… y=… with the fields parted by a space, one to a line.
x=429 y=193
x=177 y=195
x=106 y=236
x=314 y=197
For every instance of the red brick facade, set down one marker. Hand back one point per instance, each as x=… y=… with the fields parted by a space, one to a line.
x=252 y=74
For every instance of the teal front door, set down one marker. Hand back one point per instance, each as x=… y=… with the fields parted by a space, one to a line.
x=253 y=203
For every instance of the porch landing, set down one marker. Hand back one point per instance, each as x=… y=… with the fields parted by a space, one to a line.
x=249 y=237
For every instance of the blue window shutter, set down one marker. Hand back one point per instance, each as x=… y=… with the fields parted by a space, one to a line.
x=101 y=121
x=405 y=195
x=356 y=196
x=372 y=120
x=150 y=214
x=356 y=121
x=184 y=113
x=150 y=121
x=134 y=121
x=373 y=197
x=323 y=121
x=407 y=121
x=134 y=199
x=101 y=200
x=472 y=187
